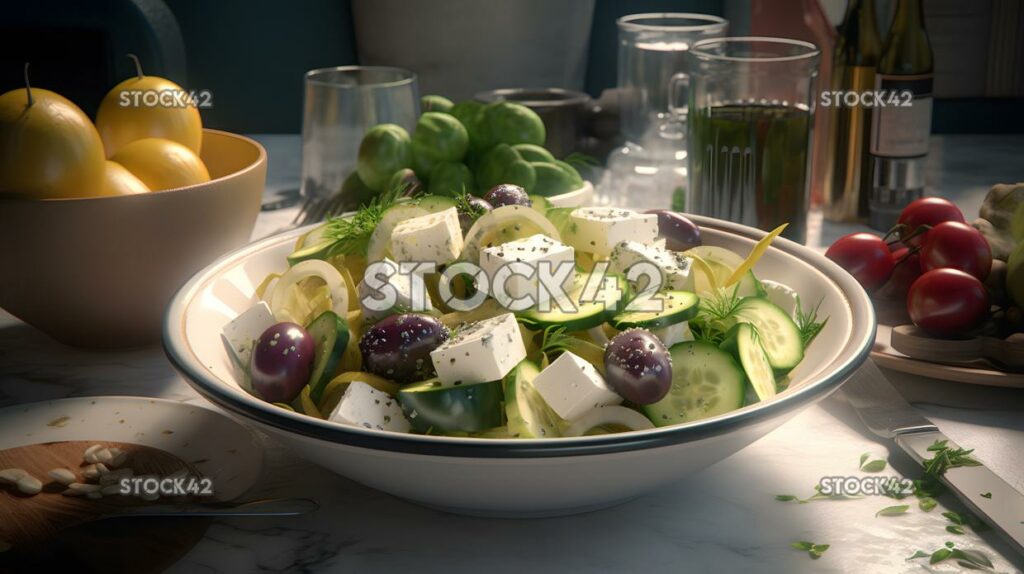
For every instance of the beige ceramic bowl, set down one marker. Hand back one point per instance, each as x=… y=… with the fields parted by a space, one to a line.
x=98 y=272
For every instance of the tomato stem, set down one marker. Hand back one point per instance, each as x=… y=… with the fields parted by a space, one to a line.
x=28 y=87
x=138 y=65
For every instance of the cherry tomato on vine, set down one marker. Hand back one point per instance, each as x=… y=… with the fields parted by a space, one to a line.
x=926 y=211
x=907 y=270
x=947 y=302
x=958 y=246
x=865 y=256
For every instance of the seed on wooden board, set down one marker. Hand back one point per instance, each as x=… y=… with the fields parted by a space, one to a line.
x=83 y=488
x=91 y=452
x=111 y=489
x=104 y=456
x=116 y=476
x=11 y=475
x=94 y=495
x=72 y=492
x=119 y=455
x=62 y=475
x=29 y=484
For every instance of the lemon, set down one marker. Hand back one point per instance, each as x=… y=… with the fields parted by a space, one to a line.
x=162 y=164
x=48 y=148
x=117 y=180
x=145 y=107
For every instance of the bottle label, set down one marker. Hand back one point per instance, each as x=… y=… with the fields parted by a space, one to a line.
x=902 y=130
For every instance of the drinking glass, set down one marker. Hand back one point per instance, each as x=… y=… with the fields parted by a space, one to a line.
x=341 y=104
x=750 y=121
x=652 y=49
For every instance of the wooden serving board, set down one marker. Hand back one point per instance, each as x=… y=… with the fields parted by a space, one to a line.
x=904 y=349
x=36 y=526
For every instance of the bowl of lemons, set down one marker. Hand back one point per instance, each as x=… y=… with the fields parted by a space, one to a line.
x=103 y=220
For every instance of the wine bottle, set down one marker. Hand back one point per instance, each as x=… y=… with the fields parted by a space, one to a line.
x=901 y=127
x=847 y=183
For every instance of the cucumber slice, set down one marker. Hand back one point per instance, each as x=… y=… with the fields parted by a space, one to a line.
x=744 y=344
x=434 y=407
x=605 y=304
x=528 y=415
x=606 y=420
x=559 y=217
x=706 y=382
x=676 y=307
x=540 y=204
x=312 y=245
x=779 y=335
x=379 y=246
x=435 y=203
x=330 y=335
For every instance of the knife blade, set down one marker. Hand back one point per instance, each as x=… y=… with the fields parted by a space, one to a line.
x=889 y=416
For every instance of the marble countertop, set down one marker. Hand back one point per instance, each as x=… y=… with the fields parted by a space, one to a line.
x=723 y=519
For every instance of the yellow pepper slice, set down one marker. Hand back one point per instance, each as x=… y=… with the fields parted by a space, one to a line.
x=755 y=255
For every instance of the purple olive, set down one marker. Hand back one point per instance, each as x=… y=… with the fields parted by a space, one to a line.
x=507 y=194
x=638 y=366
x=398 y=347
x=281 y=362
x=477 y=207
x=679 y=232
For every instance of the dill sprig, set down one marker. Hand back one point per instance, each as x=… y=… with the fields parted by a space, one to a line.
x=721 y=303
x=351 y=234
x=463 y=205
x=807 y=322
x=554 y=340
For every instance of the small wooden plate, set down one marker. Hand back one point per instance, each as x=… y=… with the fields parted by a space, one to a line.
x=956 y=366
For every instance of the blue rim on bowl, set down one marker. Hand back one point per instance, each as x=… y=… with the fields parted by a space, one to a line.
x=247 y=406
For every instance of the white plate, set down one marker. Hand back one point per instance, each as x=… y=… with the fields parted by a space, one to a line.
x=219 y=448
x=516 y=476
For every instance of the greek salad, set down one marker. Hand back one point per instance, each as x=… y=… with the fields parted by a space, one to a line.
x=505 y=317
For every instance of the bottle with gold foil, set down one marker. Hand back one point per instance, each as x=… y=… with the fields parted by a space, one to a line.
x=847 y=182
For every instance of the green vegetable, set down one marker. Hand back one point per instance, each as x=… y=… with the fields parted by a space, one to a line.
x=551 y=179
x=402 y=179
x=431 y=405
x=510 y=123
x=813 y=550
x=469 y=114
x=330 y=335
x=573 y=173
x=927 y=503
x=450 y=178
x=877 y=465
x=439 y=137
x=532 y=152
x=385 y=149
x=1001 y=219
x=503 y=164
x=1015 y=275
x=355 y=192
x=422 y=165
x=893 y=510
x=435 y=103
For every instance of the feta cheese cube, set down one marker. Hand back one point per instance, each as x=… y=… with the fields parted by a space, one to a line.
x=539 y=253
x=240 y=334
x=571 y=387
x=787 y=299
x=373 y=290
x=598 y=230
x=676 y=269
x=674 y=334
x=365 y=406
x=435 y=237
x=483 y=351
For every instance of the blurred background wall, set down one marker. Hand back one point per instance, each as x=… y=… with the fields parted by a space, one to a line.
x=251 y=54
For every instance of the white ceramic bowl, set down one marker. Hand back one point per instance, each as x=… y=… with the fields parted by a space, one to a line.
x=517 y=477
x=575 y=198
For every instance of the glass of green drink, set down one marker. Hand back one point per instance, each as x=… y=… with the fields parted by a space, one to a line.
x=750 y=118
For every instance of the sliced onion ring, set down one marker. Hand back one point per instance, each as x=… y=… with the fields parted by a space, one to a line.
x=503 y=217
x=311 y=268
x=612 y=415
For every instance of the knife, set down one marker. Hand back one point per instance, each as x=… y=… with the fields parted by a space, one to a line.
x=887 y=415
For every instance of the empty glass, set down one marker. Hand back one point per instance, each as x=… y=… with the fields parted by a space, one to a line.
x=750 y=118
x=341 y=104
x=652 y=49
